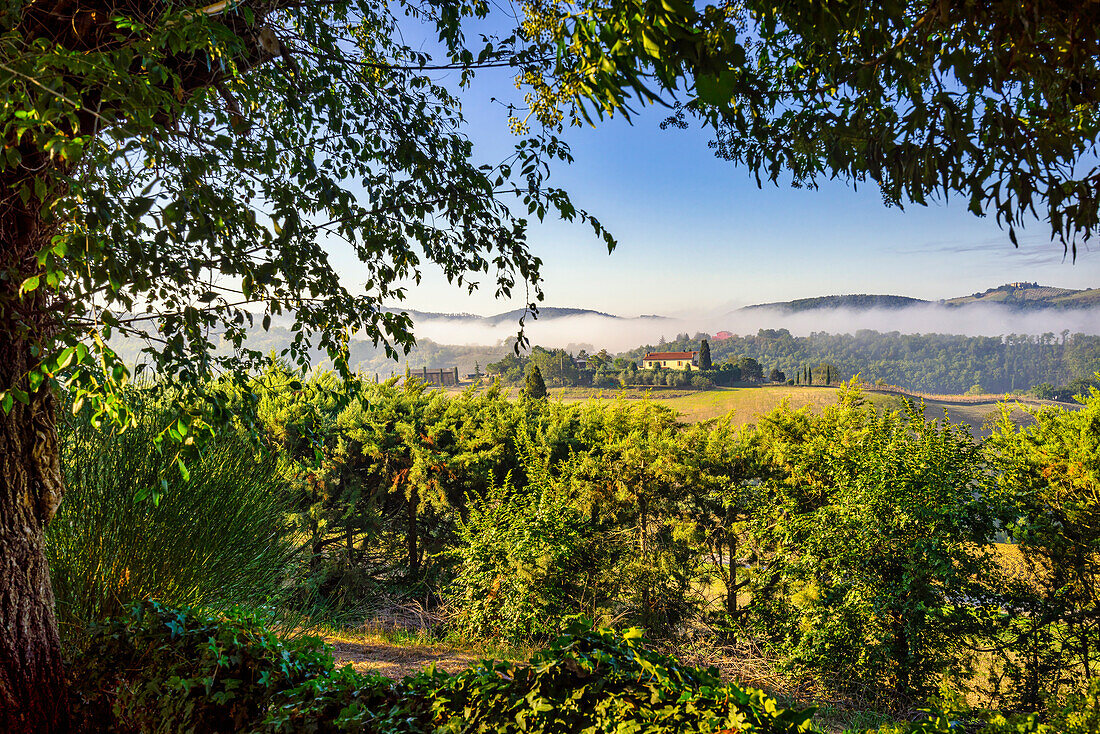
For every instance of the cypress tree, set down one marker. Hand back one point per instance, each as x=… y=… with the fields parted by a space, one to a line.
x=536 y=387
x=828 y=375
x=704 y=356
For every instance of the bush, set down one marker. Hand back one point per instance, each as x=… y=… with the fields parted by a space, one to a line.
x=604 y=379
x=1079 y=713
x=162 y=670
x=215 y=540
x=601 y=681
x=159 y=669
x=527 y=559
x=701 y=383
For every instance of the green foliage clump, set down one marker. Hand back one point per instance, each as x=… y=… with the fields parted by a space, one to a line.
x=157 y=669
x=527 y=559
x=1048 y=476
x=216 y=538
x=600 y=681
x=1078 y=713
x=877 y=537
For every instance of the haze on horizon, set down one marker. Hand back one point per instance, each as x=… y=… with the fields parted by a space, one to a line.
x=697 y=236
x=618 y=334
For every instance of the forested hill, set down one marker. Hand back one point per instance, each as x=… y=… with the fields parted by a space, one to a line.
x=934 y=363
x=513 y=316
x=1019 y=296
x=860 y=301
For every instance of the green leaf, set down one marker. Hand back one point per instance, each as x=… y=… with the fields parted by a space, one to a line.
x=29 y=284
x=183 y=469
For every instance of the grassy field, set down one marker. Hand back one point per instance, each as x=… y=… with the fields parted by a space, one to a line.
x=750 y=402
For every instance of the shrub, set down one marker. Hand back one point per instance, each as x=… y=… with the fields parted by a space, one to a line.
x=699 y=382
x=601 y=681
x=881 y=563
x=527 y=559
x=603 y=379
x=217 y=539
x=162 y=670
x=1079 y=713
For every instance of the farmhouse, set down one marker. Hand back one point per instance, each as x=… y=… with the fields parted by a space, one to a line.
x=671 y=360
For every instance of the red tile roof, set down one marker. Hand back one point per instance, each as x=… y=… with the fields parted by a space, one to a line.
x=670 y=355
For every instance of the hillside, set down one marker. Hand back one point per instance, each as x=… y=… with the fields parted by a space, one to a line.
x=1031 y=296
x=858 y=301
x=1023 y=296
x=748 y=404
x=546 y=313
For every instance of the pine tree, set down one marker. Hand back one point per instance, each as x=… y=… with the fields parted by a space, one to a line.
x=536 y=387
x=704 y=356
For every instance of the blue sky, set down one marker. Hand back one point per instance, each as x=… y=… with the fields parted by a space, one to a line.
x=696 y=235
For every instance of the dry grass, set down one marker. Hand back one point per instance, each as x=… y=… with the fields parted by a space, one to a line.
x=402 y=639
x=750 y=402
x=369 y=652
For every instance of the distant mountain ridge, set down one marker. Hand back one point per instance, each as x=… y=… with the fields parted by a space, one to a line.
x=545 y=313
x=1021 y=296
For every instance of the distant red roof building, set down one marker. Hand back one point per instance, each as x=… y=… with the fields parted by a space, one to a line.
x=675 y=360
x=722 y=336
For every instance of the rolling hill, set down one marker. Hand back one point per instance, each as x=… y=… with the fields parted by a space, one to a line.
x=1020 y=296
x=859 y=301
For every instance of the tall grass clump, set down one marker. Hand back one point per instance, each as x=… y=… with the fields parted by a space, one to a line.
x=215 y=540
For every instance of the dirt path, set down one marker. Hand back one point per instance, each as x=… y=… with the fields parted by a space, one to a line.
x=373 y=655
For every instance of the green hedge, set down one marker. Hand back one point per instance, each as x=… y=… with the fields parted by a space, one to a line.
x=162 y=670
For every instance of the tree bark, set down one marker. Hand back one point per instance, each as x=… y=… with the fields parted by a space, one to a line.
x=731 y=586
x=33 y=695
x=412 y=532
x=32 y=684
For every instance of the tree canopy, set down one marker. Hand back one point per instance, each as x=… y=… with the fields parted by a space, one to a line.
x=194 y=169
x=994 y=102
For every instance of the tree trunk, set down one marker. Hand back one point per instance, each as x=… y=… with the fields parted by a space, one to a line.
x=410 y=538
x=731 y=586
x=33 y=695
x=902 y=653
x=32 y=685
x=643 y=521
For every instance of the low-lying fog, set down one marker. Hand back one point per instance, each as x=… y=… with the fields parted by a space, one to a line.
x=619 y=334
